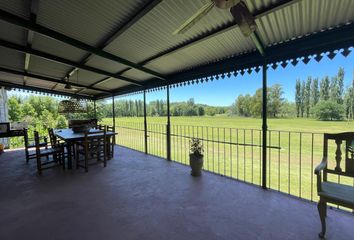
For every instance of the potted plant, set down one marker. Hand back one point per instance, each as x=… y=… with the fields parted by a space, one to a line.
x=196 y=156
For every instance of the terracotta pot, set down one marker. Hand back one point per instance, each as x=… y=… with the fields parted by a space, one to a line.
x=196 y=163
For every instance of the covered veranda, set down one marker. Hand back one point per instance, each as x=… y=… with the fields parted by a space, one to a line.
x=140 y=196
x=121 y=47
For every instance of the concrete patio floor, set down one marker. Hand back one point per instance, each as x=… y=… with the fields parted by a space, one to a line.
x=139 y=196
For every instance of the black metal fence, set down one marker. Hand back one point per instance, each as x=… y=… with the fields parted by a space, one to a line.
x=237 y=153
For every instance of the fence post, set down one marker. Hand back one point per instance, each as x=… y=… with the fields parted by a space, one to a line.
x=145 y=125
x=168 y=130
x=113 y=113
x=264 y=125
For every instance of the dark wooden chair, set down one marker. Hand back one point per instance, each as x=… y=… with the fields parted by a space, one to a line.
x=94 y=147
x=30 y=145
x=56 y=151
x=335 y=192
x=112 y=142
x=54 y=141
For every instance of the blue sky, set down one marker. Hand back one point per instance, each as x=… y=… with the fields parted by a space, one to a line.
x=223 y=92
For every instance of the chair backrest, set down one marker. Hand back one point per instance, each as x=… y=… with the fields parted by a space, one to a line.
x=37 y=142
x=52 y=137
x=97 y=138
x=100 y=127
x=344 y=143
x=110 y=129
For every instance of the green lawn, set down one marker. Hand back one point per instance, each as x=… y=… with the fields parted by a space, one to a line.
x=232 y=146
x=297 y=124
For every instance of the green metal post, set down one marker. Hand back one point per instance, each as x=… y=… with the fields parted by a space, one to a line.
x=145 y=125
x=168 y=130
x=114 y=114
x=264 y=127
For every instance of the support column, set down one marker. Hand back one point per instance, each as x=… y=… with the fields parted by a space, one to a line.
x=94 y=108
x=114 y=114
x=264 y=126
x=145 y=125
x=168 y=129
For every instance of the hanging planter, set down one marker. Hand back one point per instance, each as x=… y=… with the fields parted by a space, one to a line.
x=71 y=106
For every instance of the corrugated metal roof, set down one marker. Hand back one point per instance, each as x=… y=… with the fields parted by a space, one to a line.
x=57 y=48
x=112 y=84
x=11 y=78
x=48 y=68
x=90 y=21
x=12 y=33
x=303 y=18
x=11 y=59
x=86 y=20
x=153 y=33
x=17 y=7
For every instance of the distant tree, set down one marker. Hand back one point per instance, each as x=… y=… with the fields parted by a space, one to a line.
x=302 y=98
x=340 y=89
x=275 y=100
x=200 y=111
x=15 y=112
x=61 y=122
x=328 y=111
x=324 y=89
x=298 y=97
x=307 y=97
x=315 y=93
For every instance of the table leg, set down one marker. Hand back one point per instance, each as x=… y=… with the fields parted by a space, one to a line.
x=69 y=149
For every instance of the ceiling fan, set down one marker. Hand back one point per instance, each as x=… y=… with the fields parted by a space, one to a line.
x=68 y=86
x=238 y=10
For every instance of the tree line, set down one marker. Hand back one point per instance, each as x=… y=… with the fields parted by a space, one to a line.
x=135 y=108
x=325 y=99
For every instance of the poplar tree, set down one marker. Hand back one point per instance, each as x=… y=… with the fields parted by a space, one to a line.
x=315 y=93
x=298 y=97
x=307 y=96
x=324 y=89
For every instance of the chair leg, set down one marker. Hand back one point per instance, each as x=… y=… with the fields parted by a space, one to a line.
x=322 y=209
x=27 y=156
x=86 y=162
x=63 y=159
x=39 y=166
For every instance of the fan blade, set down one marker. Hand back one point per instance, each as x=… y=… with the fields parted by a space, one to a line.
x=195 y=18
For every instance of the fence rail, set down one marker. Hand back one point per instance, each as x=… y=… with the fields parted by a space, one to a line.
x=237 y=153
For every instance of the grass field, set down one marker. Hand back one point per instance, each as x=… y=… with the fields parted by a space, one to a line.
x=293 y=124
x=233 y=147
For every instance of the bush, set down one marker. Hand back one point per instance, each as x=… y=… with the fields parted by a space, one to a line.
x=328 y=111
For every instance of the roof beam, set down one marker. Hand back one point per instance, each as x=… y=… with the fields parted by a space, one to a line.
x=48 y=79
x=119 y=31
x=38 y=89
x=18 y=21
x=227 y=27
x=50 y=57
x=30 y=34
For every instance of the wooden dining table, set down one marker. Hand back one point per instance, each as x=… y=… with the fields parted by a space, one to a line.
x=70 y=137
